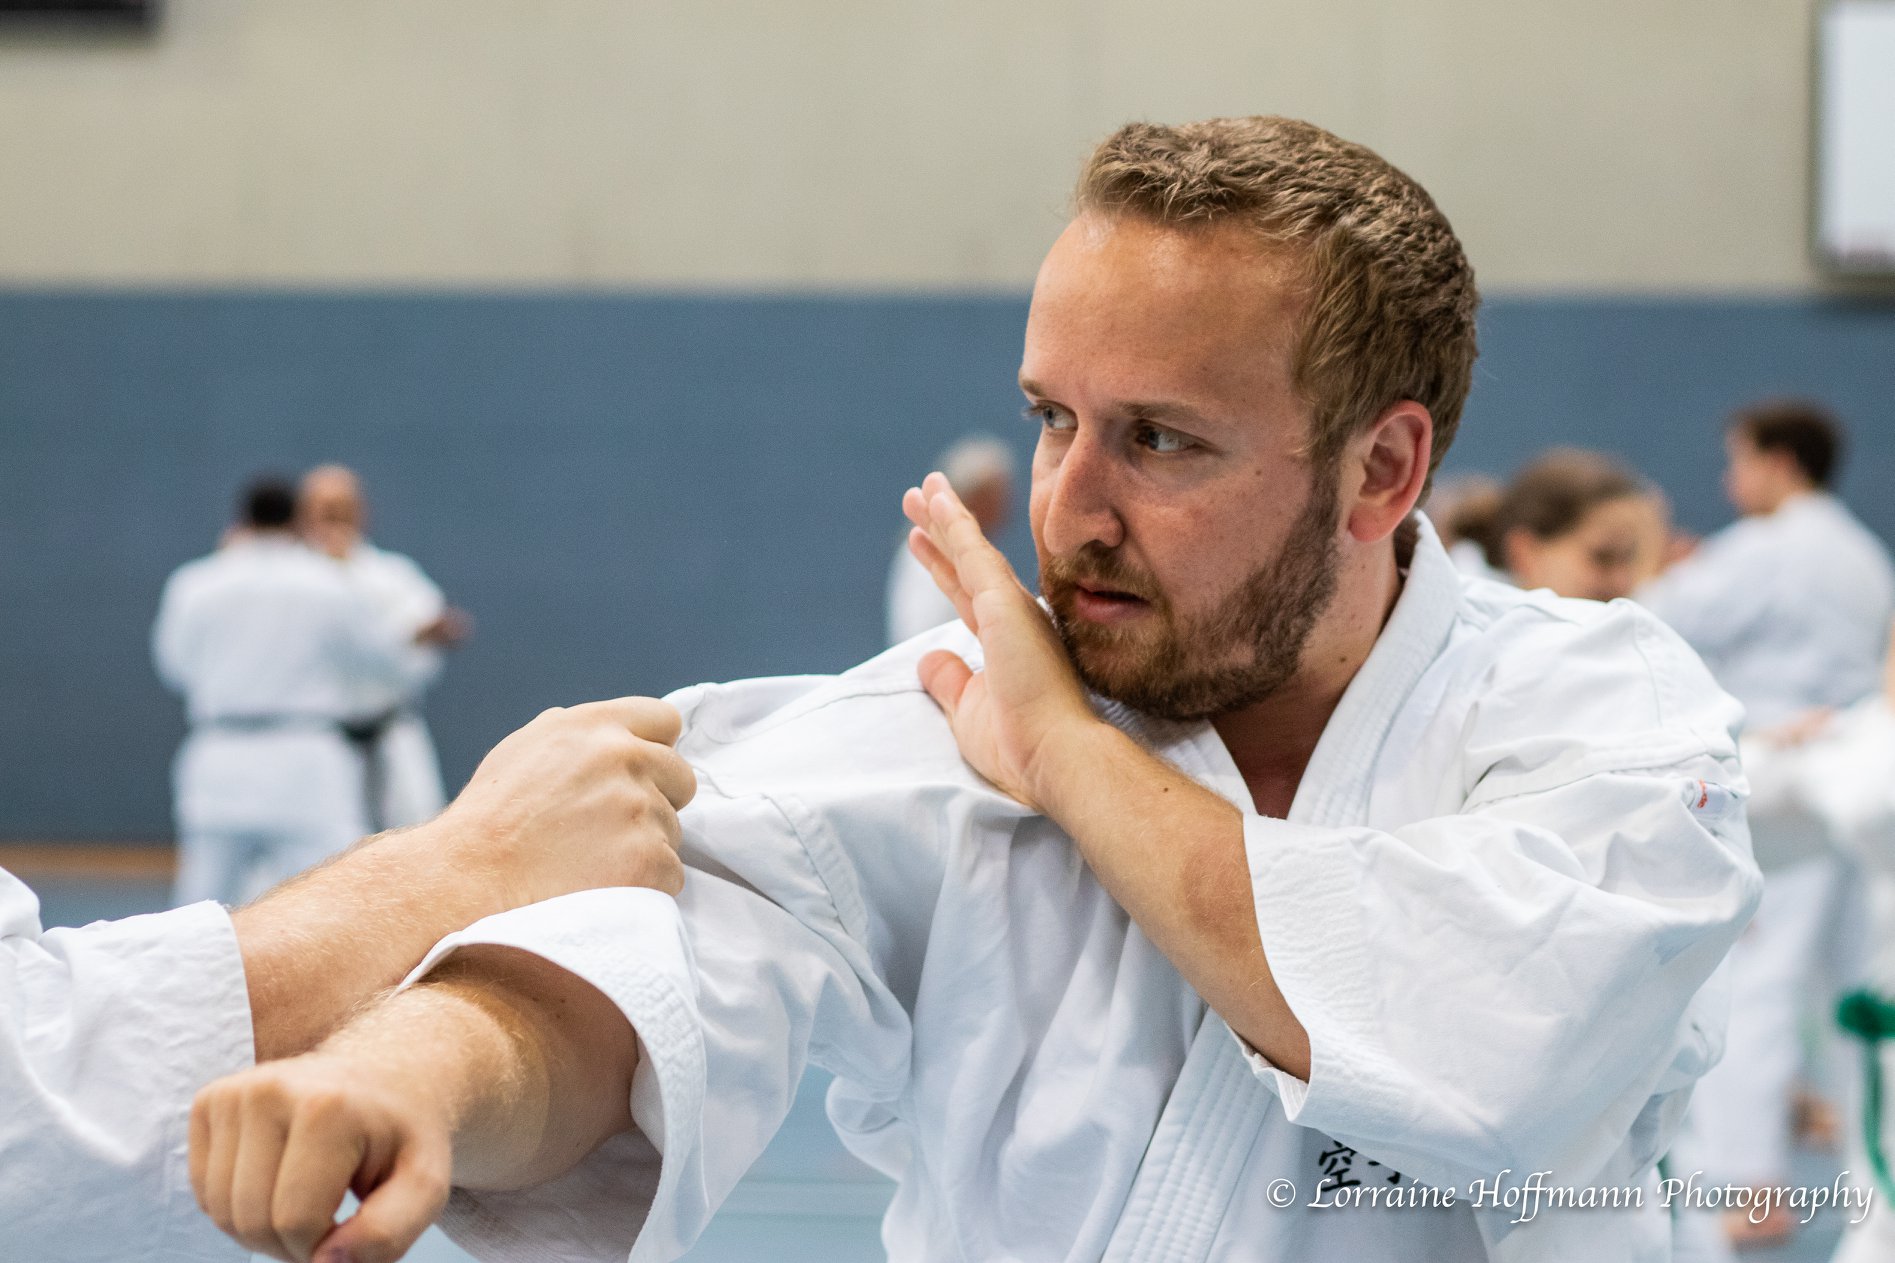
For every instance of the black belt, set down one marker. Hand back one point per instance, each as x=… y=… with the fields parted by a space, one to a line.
x=364 y=732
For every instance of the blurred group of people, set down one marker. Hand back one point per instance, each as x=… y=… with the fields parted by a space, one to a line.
x=1791 y=608
x=302 y=651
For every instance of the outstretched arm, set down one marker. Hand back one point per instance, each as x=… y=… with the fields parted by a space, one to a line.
x=581 y=797
x=499 y=1072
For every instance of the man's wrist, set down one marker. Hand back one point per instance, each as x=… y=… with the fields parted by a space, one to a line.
x=447 y=862
x=318 y=945
x=1069 y=766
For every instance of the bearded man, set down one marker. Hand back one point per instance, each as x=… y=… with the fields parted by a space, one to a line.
x=1282 y=896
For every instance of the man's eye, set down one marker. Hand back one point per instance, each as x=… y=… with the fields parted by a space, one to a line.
x=1161 y=440
x=1048 y=417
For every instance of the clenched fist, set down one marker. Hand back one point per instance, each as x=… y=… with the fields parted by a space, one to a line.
x=274 y=1149
x=582 y=797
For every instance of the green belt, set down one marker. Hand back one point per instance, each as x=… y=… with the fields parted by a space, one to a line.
x=1871 y=1018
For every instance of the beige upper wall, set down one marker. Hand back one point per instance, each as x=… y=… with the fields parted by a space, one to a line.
x=1608 y=145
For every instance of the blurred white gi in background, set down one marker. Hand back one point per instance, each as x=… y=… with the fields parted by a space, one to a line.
x=270 y=644
x=1833 y=778
x=1790 y=608
x=407 y=771
x=980 y=469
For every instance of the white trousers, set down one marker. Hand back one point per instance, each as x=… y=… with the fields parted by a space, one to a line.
x=411 y=790
x=1738 y=1130
x=234 y=866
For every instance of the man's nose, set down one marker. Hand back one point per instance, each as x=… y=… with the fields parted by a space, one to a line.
x=1081 y=505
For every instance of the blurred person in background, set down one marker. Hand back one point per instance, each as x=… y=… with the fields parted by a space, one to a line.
x=1462 y=509
x=270 y=645
x=107 y=1032
x=1576 y=522
x=1824 y=781
x=981 y=470
x=406 y=772
x=1790 y=607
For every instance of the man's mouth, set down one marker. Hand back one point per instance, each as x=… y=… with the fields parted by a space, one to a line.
x=1106 y=605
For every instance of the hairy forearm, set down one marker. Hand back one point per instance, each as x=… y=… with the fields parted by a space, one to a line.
x=1172 y=853
x=531 y=1066
x=317 y=947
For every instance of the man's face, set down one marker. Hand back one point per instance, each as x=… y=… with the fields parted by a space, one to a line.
x=1751 y=475
x=329 y=511
x=1186 y=544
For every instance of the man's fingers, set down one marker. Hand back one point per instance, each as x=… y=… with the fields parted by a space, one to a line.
x=321 y=1157
x=200 y=1144
x=941 y=570
x=253 y=1183
x=395 y=1213
x=669 y=774
x=220 y=1155
x=945 y=677
x=954 y=531
x=646 y=717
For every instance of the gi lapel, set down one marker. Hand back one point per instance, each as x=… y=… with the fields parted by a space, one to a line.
x=1190 y=1173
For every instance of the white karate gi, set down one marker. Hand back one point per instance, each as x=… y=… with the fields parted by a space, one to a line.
x=410 y=789
x=106 y=1033
x=1840 y=787
x=1791 y=611
x=269 y=643
x=915 y=604
x=1515 y=860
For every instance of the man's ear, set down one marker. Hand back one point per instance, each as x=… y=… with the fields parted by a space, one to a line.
x=1384 y=470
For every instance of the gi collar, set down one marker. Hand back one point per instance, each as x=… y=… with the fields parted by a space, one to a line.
x=1335 y=787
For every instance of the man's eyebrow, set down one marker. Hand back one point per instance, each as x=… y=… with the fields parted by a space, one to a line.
x=1156 y=409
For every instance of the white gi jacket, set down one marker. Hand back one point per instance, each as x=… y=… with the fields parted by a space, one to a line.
x=1836 y=790
x=1790 y=610
x=410 y=770
x=106 y=1033
x=270 y=645
x=1515 y=859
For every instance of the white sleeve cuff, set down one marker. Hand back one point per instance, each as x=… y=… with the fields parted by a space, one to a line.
x=1290 y=1089
x=630 y=944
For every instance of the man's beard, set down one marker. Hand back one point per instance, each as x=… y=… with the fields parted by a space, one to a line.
x=1238 y=654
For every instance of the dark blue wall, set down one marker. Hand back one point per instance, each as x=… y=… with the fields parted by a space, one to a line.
x=633 y=493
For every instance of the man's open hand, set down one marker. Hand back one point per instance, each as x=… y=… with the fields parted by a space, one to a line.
x=1027 y=699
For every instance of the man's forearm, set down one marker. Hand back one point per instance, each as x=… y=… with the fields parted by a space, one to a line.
x=317 y=947
x=533 y=1065
x=1172 y=853
x=501 y=1071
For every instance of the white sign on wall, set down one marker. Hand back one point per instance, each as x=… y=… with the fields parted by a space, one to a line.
x=1855 y=136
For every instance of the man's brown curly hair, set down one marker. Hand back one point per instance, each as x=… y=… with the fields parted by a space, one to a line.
x=1389 y=304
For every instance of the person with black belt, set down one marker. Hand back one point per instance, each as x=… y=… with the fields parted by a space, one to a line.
x=406 y=786
x=269 y=643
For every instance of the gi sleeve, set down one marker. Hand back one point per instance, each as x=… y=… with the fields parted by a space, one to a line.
x=758 y=969
x=170 y=638
x=1521 y=985
x=107 y=1034
x=1838 y=786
